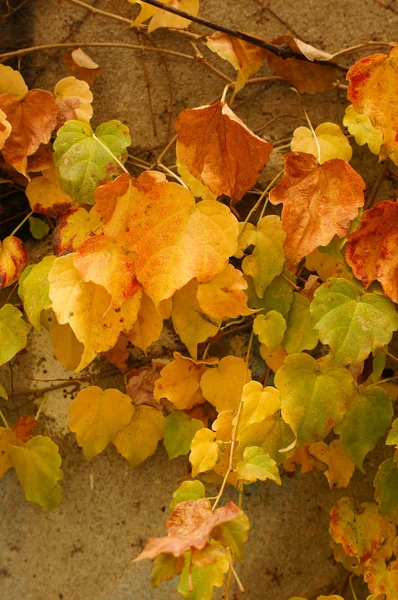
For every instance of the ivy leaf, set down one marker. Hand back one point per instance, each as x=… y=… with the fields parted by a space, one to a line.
x=315 y=396
x=275 y=358
x=188 y=490
x=85 y=161
x=73 y=228
x=268 y=256
x=223 y=297
x=258 y=404
x=332 y=142
x=34 y=290
x=13 y=332
x=13 y=259
x=219 y=150
x=341 y=467
x=37 y=465
x=148 y=326
x=96 y=416
x=139 y=439
x=360 y=126
x=161 y=18
x=257 y=465
x=277 y=296
x=300 y=334
x=367 y=419
x=382 y=579
x=270 y=329
x=386 y=489
x=7 y=438
x=371 y=249
x=67 y=348
x=203 y=579
x=205 y=451
x=179 y=431
x=223 y=386
x=165 y=567
x=352 y=323
x=74 y=99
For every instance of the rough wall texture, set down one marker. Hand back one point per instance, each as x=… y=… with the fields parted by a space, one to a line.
x=84 y=550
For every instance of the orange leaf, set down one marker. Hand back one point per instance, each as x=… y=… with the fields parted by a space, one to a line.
x=13 y=259
x=301 y=458
x=373 y=91
x=304 y=75
x=118 y=355
x=319 y=202
x=80 y=63
x=223 y=297
x=24 y=428
x=219 y=150
x=32 y=118
x=372 y=248
x=73 y=228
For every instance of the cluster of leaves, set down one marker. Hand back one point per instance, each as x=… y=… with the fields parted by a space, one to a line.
x=129 y=253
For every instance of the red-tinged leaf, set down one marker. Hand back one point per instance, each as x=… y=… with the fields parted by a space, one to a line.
x=80 y=63
x=189 y=526
x=33 y=118
x=73 y=228
x=219 y=150
x=24 y=428
x=373 y=91
x=319 y=202
x=13 y=259
x=304 y=75
x=46 y=196
x=372 y=248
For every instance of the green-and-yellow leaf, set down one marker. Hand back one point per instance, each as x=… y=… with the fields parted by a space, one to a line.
x=35 y=288
x=13 y=332
x=179 y=431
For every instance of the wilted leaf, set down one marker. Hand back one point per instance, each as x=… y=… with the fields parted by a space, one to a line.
x=161 y=18
x=5 y=128
x=140 y=383
x=386 y=488
x=314 y=396
x=80 y=63
x=270 y=329
x=205 y=451
x=360 y=126
x=74 y=100
x=96 y=416
x=67 y=348
x=352 y=323
x=319 y=202
x=74 y=228
x=220 y=150
x=85 y=160
x=7 y=438
x=381 y=579
x=24 y=428
x=223 y=297
x=203 y=579
x=223 y=386
x=13 y=332
x=37 y=465
x=332 y=142
x=139 y=439
x=34 y=290
x=257 y=465
x=341 y=467
x=13 y=259
x=188 y=490
x=372 y=248
x=179 y=431
x=12 y=82
x=300 y=334
x=258 y=404
x=148 y=326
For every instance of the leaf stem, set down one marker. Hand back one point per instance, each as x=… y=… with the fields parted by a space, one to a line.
x=383 y=381
x=121 y=165
x=355 y=597
x=4 y=420
x=255 y=207
x=309 y=123
x=21 y=223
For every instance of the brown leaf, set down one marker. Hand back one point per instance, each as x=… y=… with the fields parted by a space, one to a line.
x=118 y=355
x=319 y=202
x=80 y=63
x=24 y=428
x=219 y=150
x=141 y=381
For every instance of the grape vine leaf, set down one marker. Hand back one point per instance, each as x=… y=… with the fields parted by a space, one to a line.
x=382 y=579
x=5 y=129
x=386 y=489
x=188 y=490
x=319 y=202
x=223 y=386
x=275 y=358
x=75 y=226
x=233 y=534
x=37 y=465
x=353 y=323
x=85 y=160
x=203 y=579
x=219 y=150
x=96 y=416
x=198 y=189
x=272 y=434
x=371 y=249
x=315 y=395
x=360 y=126
x=179 y=431
x=277 y=296
x=258 y=404
x=83 y=65
x=300 y=334
x=13 y=259
x=270 y=329
x=331 y=139
x=74 y=99
x=139 y=439
x=13 y=332
x=257 y=465
x=341 y=467
x=223 y=297
x=161 y=18
x=119 y=354
x=205 y=451
x=34 y=290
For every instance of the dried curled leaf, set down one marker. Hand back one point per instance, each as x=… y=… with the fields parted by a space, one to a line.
x=161 y=18
x=5 y=128
x=83 y=65
x=13 y=259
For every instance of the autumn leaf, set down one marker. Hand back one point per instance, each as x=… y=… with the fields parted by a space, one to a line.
x=85 y=159
x=179 y=431
x=13 y=259
x=12 y=82
x=351 y=322
x=34 y=290
x=198 y=189
x=315 y=396
x=161 y=18
x=197 y=583
x=139 y=439
x=148 y=326
x=38 y=228
x=341 y=467
x=382 y=579
x=325 y=265
x=24 y=428
x=369 y=78
x=67 y=348
x=74 y=99
x=220 y=150
x=7 y=438
x=73 y=228
x=37 y=465
x=319 y=202
x=119 y=354
x=386 y=489
x=274 y=358
x=233 y=534
x=13 y=332
x=258 y=404
x=270 y=329
x=371 y=249
x=272 y=434
x=301 y=458
x=140 y=382
x=392 y=438
x=46 y=196
x=188 y=490
x=300 y=334
x=205 y=451
x=305 y=75
x=223 y=386
x=32 y=118
x=257 y=465
x=164 y=567
x=278 y=296
x=268 y=256
x=96 y=416
x=331 y=140
x=224 y=297
x=83 y=65
x=368 y=417
x=360 y=126
x=5 y=128
x=86 y=307
x=246 y=238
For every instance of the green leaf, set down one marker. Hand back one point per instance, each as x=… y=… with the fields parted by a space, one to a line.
x=233 y=534
x=278 y=296
x=352 y=322
x=270 y=328
x=34 y=290
x=179 y=431
x=85 y=162
x=38 y=228
x=392 y=438
x=203 y=579
x=37 y=465
x=368 y=417
x=257 y=465
x=188 y=490
x=386 y=488
x=13 y=332
x=300 y=334
x=272 y=435
x=314 y=396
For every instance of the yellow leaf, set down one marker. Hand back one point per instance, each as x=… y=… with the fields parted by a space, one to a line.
x=246 y=238
x=139 y=439
x=223 y=297
x=47 y=197
x=324 y=264
x=67 y=348
x=11 y=82
x=148 y=326
x=332 y=142
x=74 y=99
x=360 y=126
x=7 y=437
x=190 y=323
x=199 y=189
x=341 y=468
x=96 y=416
x=86 y=307
x=301 y=458
x=258 y=404
x=75 y=227
x=274 y=358
x=179 y=382
x=37 y=465
x=223 y=386
x=270 y=329
x=160 y=18
x=205 y=451
x=223 y=425
x=5 y=128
